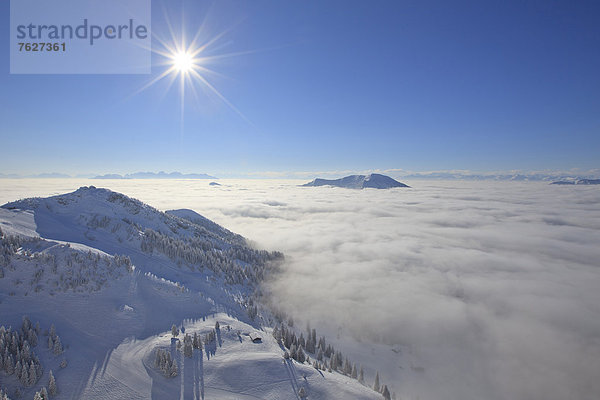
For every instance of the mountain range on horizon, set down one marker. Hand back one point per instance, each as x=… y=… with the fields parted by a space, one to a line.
x=135 y=175
x=577 y=182
x=517 y=176
x=155 y=175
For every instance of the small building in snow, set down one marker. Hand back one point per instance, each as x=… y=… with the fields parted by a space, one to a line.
x=255 y=337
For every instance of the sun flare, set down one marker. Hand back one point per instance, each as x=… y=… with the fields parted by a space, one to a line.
x=183 y=61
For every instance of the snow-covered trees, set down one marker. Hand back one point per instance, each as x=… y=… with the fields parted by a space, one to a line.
x=188 y=349
x=300 y=356
x=57 y=349
x=252 y=310
x=22 y=374
x=347 y=367
x=210 y=337
x=165 y=363
x=311 y=340
x=54 y=341
x=33 y=376
x=386 y=393
x=302 y=393
x=236 y=263
x=9 y=364
x=174 y=330
x=3 y=395
x=16 y=356
x=196 y=342
x=41 y=395
x=320 y=355
x=62 y=268
x=327 y=357
x=52 y=388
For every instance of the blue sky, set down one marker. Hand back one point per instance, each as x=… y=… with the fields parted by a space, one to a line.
x=330 y=85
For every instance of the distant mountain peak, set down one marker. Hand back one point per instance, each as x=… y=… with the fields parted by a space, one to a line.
x=577 y=181
x=375 y=181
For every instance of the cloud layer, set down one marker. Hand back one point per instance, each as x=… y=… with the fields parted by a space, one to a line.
x=482 y=289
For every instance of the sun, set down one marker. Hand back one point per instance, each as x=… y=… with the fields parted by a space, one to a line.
x=183 y=61
x=187 y=63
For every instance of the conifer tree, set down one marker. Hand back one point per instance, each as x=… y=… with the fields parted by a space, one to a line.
x=300 y=357
x=302 y=393
x=347 y=367
x=320 y=355
x=25 y=377
x=32 y=374
x=188 y=350
x=174 y=370
x=52 y=389
x=32 y=337
x=293 y=352
x=18 y=370
x=386 y=393
x=57 y=346
x=9 y=365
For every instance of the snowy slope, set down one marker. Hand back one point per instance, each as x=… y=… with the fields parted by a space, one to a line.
x=113 y=274
x=160 y=243
x=233 y=367
x=376 y=181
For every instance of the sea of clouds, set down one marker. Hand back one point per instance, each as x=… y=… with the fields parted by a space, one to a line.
x=469 y=290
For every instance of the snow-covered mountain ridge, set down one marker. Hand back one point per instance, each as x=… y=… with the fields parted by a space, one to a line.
x=117 y=224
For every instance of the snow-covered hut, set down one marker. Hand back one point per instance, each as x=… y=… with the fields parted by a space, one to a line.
x=255 y=337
